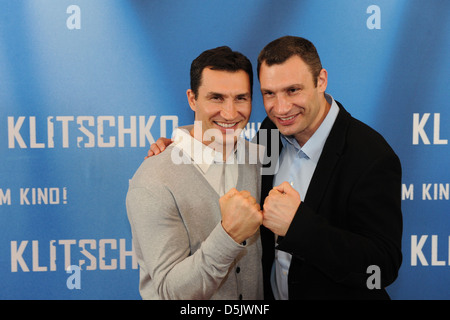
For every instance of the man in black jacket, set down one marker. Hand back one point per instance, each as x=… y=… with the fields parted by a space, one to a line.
x=332 y=209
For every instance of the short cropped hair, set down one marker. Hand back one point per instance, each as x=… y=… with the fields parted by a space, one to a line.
x=281 y=49
x=220 y=58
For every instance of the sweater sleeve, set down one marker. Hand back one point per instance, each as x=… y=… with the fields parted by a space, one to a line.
x=171 y=269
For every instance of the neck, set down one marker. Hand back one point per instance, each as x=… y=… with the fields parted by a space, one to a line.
x=226 y=148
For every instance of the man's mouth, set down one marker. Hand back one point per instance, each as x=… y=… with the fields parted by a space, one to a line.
x=226 y=125
x=285 y=121
x=287 y=118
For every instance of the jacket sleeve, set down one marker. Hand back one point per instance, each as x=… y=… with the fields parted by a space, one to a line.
x=371 y=236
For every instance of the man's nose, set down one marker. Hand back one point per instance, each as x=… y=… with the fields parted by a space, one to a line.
x=229 y=111
x=281 y=105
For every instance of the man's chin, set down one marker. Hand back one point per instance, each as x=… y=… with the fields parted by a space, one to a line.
x=226 y=140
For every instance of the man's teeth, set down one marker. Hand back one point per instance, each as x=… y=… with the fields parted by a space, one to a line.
x=288 y=118
x=226 y=125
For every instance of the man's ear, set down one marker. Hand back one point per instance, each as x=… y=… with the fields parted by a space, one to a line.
x=191 y=99
x=322 y=80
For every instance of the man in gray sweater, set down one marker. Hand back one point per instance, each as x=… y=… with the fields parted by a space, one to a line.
x=194 y=210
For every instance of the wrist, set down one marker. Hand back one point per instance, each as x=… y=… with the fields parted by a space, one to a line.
x=233 y=235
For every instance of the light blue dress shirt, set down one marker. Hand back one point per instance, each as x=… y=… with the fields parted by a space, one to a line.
x=296 y=166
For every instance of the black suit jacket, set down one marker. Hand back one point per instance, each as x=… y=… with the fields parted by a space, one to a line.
x=350 y=219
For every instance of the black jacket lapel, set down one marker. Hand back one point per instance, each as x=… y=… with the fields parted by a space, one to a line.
x=331 y=153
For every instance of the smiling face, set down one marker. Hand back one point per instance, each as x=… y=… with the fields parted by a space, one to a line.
x=222 y=106
x=294 y=103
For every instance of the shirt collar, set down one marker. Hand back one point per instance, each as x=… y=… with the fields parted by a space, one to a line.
x=312 y=149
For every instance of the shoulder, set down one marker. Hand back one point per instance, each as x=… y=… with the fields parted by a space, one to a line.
x=366 y=139
x=360 y=136
x=164 y=167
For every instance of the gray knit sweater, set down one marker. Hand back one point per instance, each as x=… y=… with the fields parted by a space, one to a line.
x=182 y=249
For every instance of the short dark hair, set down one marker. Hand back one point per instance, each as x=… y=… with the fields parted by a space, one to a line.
x=281 y=49
x=220 y=58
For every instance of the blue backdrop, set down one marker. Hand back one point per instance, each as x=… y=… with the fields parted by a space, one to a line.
x=86 y=86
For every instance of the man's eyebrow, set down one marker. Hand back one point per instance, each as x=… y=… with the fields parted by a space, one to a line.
x=218 y=94
x=294 y=85
x=243 y=95
x=212 y=93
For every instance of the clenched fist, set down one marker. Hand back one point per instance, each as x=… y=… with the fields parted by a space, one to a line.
x=241 y=214
x=280 y=207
